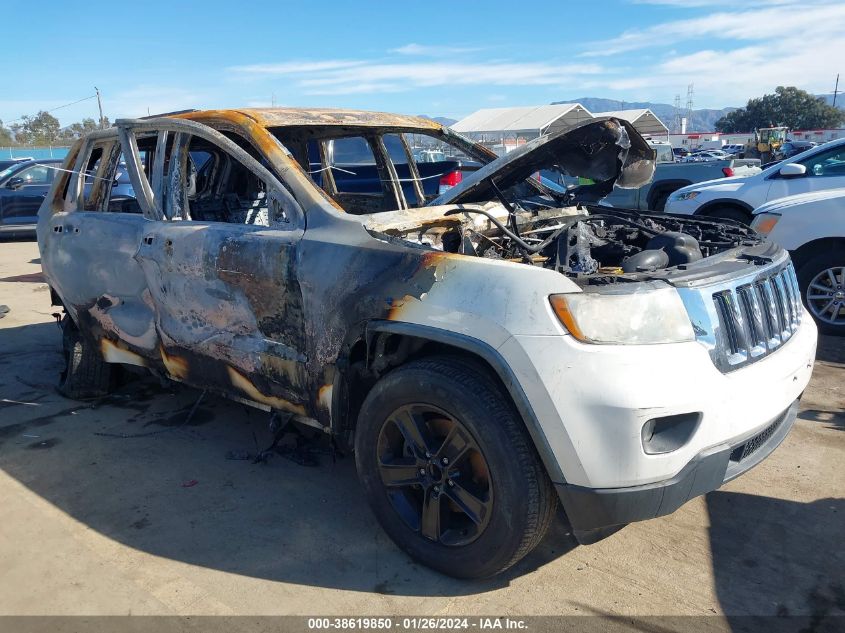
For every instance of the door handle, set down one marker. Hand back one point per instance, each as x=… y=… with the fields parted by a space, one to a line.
x=148 y=240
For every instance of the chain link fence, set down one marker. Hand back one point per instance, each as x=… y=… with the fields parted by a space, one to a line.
x=34 y=151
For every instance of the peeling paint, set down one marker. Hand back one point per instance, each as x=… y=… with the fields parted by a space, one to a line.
x=113 y=353
x=243 y=384
x=176 y=366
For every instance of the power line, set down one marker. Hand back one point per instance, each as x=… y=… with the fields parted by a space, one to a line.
x=94 y=96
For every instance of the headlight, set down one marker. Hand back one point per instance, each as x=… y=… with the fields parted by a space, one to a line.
x=638 y=318
x=687 y=195
x=765 y=222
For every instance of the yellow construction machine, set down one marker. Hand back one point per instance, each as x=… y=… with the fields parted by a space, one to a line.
x=766 y=144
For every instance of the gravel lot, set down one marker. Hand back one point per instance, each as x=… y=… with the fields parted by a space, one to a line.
x=162 y=523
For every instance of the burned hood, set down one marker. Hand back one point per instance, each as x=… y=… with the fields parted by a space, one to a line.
x=604 y=150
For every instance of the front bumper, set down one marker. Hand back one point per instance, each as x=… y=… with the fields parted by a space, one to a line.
x=592 y=401
x=592 y=510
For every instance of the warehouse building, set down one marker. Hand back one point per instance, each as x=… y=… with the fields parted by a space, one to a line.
x=503 y=129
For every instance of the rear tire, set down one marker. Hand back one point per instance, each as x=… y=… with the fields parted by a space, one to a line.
x=822 y=282
x=86 y=374
x=412 y=418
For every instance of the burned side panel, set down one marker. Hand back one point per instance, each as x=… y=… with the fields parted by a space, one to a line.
x=229 y=309
x=348 y=278
x=91 y=259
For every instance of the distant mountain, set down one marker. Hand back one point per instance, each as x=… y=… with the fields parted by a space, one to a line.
x=703 y=120
x=442 y=120
x=840 y=99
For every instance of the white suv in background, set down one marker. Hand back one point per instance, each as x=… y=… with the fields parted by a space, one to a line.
x=819 y=168
x=812 y=227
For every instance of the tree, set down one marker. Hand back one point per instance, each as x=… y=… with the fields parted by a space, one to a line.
x=788 y=107
x=76 y=130
x=5 y=135
x=41 y=129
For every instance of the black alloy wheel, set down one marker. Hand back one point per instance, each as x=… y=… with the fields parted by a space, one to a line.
x=437 y=478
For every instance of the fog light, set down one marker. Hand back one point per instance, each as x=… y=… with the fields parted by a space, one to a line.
x=669 y=433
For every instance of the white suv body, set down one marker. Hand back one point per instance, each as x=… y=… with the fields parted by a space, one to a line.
x=817 y=169
x=812 y=227
x=484 y=353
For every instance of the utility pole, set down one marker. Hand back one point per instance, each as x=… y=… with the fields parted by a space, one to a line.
x=690 y=91
x=677 y=123
x=100 y=106
x=835 y=90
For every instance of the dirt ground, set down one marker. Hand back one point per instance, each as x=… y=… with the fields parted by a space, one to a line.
x=119 y=506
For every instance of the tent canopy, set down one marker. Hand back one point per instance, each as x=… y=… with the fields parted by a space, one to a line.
x=643 y=120
x=530 y=120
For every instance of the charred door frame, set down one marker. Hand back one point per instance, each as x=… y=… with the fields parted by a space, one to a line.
x=160 y=187
x=196 y=269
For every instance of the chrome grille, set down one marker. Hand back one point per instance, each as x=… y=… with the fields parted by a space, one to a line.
x=757 y=317
x=746 y=318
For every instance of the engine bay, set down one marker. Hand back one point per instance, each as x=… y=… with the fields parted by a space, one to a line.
x=591 y=244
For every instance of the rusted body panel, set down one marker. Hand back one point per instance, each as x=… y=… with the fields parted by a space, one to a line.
x=269 y=314
x=320 y=117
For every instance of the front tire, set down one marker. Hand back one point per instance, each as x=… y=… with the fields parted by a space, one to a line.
x=822 y=283
x=449 y=470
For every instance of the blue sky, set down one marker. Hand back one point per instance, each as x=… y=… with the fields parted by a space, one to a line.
x=437 y=58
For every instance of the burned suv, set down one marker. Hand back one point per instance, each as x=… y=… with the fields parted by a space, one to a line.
x=487 y=345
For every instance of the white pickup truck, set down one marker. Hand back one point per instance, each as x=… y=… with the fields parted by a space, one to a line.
x=669 y=176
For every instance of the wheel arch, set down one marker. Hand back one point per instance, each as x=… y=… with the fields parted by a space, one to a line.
x=712 y=205
x=384 y=345
x=668 y=186
x=805 y=252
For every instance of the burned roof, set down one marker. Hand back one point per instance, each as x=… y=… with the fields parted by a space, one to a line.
x=292 y=117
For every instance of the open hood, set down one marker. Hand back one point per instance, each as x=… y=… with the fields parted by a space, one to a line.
x=604 y=150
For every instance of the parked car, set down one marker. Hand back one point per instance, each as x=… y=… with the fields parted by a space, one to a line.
x=733 y=148
x=680 y=152
x=354 y=169
x=23 y=186
x=812 y=227
x=792 y=148
x=8 y=162
x=485 y=354
x=706 y=155
x=429 y=156
x=817 y=169
x=670 y=176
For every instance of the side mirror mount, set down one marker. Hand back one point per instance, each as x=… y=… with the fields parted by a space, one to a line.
x=792 y=170
x=14 y=183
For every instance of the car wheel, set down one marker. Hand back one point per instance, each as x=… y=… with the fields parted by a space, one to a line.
x=730 y=213
x=822 y=282
x=449 y=470
x=86 y=374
